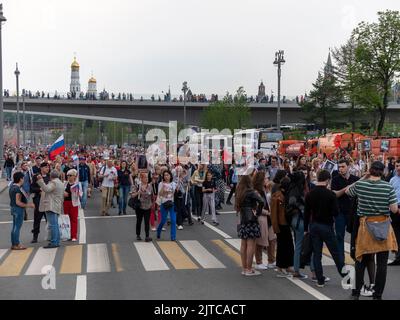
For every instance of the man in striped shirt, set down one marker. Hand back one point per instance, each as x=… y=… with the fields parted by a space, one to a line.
x=375 y=198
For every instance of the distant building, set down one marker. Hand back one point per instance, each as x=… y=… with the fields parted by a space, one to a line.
x=92 y=87
x=261 y=92
x=396 y=92
x=75 y=87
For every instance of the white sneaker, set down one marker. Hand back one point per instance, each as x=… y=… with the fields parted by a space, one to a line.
x=153 y=229
x=272 y=265
x=367 y=291
x=163 y=229
x=284 y=274
x=180 y=227
x=252 y=273
x=261 y=267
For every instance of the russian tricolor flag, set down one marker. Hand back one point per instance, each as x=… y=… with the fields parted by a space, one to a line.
x=57 y=148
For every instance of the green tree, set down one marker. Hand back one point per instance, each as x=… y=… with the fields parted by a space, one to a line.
x=378 y=53
x=321 y=104
x=230 y=113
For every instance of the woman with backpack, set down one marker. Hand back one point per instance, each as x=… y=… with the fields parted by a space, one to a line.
x=248 y=202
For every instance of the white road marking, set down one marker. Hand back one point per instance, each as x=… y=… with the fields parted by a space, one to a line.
x=82 y=227
x=203 y=257
x=97 y=258
x=150 y=257
x=3 y=252
x=236 y=243
x=315 y=293
x=43 y=257
x=223 y=234
x=81 y=288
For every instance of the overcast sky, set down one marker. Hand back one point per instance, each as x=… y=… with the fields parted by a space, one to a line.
x=144 y=46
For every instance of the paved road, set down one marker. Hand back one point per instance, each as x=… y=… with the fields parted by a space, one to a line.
x=108 y=263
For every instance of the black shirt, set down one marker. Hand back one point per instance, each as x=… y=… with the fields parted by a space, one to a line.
x=68 y=190
x=209 y=185
x=14 y=190
x=123 y=177
x=321 y=207
x=35 y=188
x=345 y=202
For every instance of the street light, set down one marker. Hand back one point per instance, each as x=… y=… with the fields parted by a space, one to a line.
x=185 y=90
x=279 y=61
x=23 y=119
x=2 y=19
x=17 y=73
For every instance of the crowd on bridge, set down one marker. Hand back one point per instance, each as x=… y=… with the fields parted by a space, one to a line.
x=287 y=207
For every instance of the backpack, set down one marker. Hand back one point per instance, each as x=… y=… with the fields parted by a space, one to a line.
x=104 y=170
x=294 y=204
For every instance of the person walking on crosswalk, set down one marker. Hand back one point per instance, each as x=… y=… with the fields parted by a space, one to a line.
x=209 y=190
x=166 y=192
x=108 y=174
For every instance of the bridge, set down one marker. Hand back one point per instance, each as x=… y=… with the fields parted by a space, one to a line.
x=155 y=113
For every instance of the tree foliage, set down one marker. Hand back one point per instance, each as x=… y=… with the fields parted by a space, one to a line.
x=230 y=113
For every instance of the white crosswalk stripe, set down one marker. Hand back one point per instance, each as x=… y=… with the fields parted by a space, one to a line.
x=3 y=252
x=150 y=257
x=203 y=257
x=43 y=257
x=97 y=258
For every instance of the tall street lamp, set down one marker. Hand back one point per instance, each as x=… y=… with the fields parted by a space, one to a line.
x=279 y=61
x=23 y=119
x=2 y=19
x=17 y=73
x=185 y=90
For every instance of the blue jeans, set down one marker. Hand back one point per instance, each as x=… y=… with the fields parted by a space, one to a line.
x=123 y=197
x=319 y=234
x=18 y=219
x=340 y=230
x=85 y=186
x=164 y=215
x=8 y=172
x=52 y=219
x=298 y=230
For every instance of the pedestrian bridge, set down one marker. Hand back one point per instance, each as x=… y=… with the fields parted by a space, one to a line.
x=157 y=113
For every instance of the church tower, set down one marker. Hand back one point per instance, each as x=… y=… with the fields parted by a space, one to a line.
x=75 y=87
x=92 y=87
x=261 y=91
x=328 y=70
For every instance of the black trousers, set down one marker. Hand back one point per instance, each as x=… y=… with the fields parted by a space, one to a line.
x=140 y=215
x=396 y=229
x=381 y=271
x=37 y=217
x=284 y=248
x=182 y=211
x=198 y=200
x=233 y=190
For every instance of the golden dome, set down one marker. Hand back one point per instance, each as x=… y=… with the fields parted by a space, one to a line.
x=75 y=64
x=92 y=80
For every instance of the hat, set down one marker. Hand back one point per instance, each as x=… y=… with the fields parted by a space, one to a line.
x=44 y=164
x=82 y=158
x=377 y=165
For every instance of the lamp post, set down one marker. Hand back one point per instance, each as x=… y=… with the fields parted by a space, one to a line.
x=23 y=119
x=279 y=61
x=184 y=89
x=17 y=73
x=2 y=19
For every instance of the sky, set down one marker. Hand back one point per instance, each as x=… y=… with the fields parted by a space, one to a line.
x=144 y=47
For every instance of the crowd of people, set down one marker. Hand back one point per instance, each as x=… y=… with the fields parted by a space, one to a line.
x=288 y=207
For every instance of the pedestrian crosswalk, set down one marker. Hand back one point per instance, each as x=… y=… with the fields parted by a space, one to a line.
x=159 y=256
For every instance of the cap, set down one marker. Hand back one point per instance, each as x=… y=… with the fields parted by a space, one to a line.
x=377 y=165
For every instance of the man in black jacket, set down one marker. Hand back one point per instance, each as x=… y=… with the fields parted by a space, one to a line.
x=35 y=189
x=340 y=182
x=320 y=209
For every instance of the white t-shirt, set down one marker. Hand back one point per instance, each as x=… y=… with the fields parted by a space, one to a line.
x=109 y=176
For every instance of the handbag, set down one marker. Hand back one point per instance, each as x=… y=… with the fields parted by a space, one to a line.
x=379 y=229
x=64 y=225
x=134 y=202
